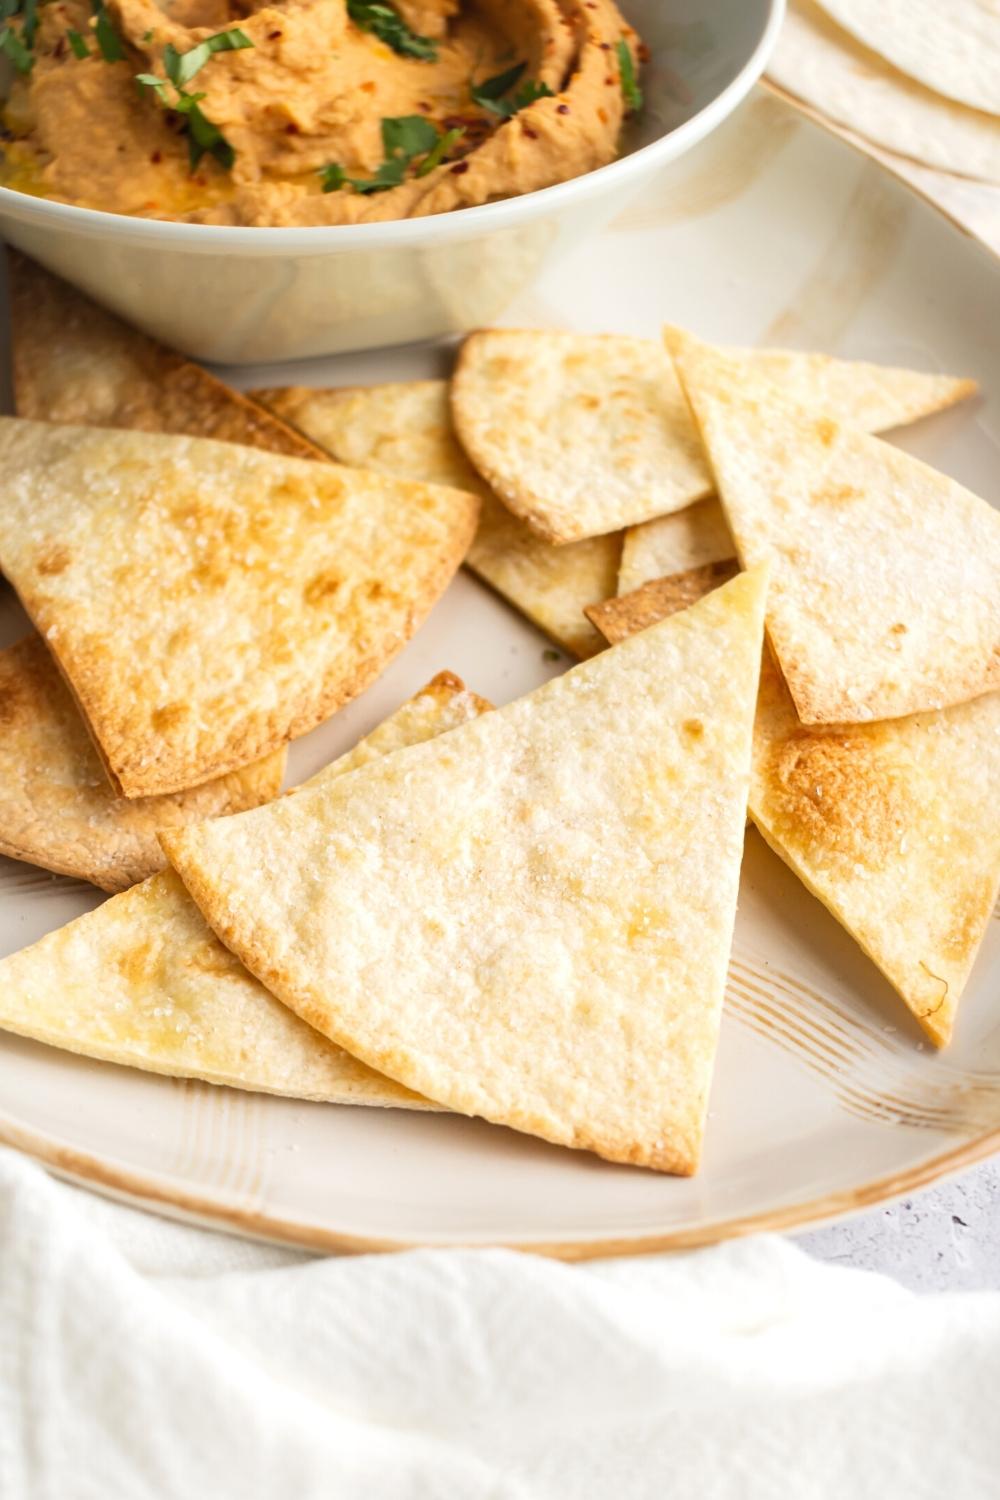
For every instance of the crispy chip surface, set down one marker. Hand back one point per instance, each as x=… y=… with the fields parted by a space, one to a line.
x=884 y=597
x=529 y=920
x=143 y=981
x=893 y=826
x=57 y=807
x=74 y=362
x=583 y=434
x=207 y=602
x=406 y=429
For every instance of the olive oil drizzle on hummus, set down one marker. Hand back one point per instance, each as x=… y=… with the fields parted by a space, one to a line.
x=520 y=94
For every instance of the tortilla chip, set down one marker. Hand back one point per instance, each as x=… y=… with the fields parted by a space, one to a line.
x=892 y=826
x=57 y=808
x=406 y=430
x=884 y=597
x=144 y=982
x=582 y=434
x=619 y=618
x=207 y=602
x=531 y=919
x=73 y=362
x=672 y=544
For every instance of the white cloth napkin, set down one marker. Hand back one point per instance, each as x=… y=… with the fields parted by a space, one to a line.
x=141 y=1358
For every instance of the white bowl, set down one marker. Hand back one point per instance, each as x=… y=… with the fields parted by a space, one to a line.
x=238 y=296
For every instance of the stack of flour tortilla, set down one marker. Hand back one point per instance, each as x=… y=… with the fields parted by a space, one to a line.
x=522 y=913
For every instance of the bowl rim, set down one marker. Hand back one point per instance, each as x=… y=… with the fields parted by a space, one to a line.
x=322 y=239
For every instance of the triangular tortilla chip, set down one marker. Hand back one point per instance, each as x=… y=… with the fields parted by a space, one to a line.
x=884 y=598
x=893 y=826
x=406 y=429
x=531 y=919
x=689 y=538
x=619 y=618
x=73 y=362
x=143 y=981
x=57 y=808
x=206 y=602
x=582 y=434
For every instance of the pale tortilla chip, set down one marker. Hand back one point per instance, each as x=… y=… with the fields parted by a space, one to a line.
x=73 y=362
x=57 y=808
x=884 y=597
x=619 y=618
x=583 y=434
x=690 y=538
x=531 y=919
x=144 y=982
x=406 y=430
x=820 y=63
x=207 y=602
x=954 y=48
x=893 y=826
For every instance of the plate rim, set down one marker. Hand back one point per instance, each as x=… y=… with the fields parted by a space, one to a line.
x=156 y=1194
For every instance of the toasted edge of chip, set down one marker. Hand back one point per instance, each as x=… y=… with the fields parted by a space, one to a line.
x=205 y=1015
x=448 y=976
x=57 y=807
x=75 y=362
x=620 y=617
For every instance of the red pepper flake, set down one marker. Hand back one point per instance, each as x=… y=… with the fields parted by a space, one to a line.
x=609 y=81
x=273 y=36
x=605 y=46
x=156 y=157
x=368 y=87
x=531 y=134
x=59 y=50
x=562 y=109
x=602 y=115
x=459 y=168
x=422 y=104
x=644 y=53
x=291 y=128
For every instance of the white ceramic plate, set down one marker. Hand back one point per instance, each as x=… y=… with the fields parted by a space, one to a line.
x=825 y=1098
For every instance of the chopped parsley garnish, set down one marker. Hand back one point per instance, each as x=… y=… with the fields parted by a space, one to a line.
x=385 y=23
x=498 y=96
x=182 y=66
x=626 y=71
x=14 y=49
x=404 y=138
x=78 y=45
x=435 y=157
x=29 y=11
x=204 y=138
x=109 y=43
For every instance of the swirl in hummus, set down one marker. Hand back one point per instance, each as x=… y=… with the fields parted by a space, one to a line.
x=312 y=111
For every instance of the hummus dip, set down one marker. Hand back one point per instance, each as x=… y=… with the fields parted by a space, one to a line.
x=311 y=111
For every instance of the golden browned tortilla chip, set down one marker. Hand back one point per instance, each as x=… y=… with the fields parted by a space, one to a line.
x=689 y=538
x=207 y=602
x=57 y=808
x=619 y=618
x=74 y=362
x=884 y=597
x=893 y=826
x=406 y=429
x=145 y=982
x=582 y=434
x=530 y=919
